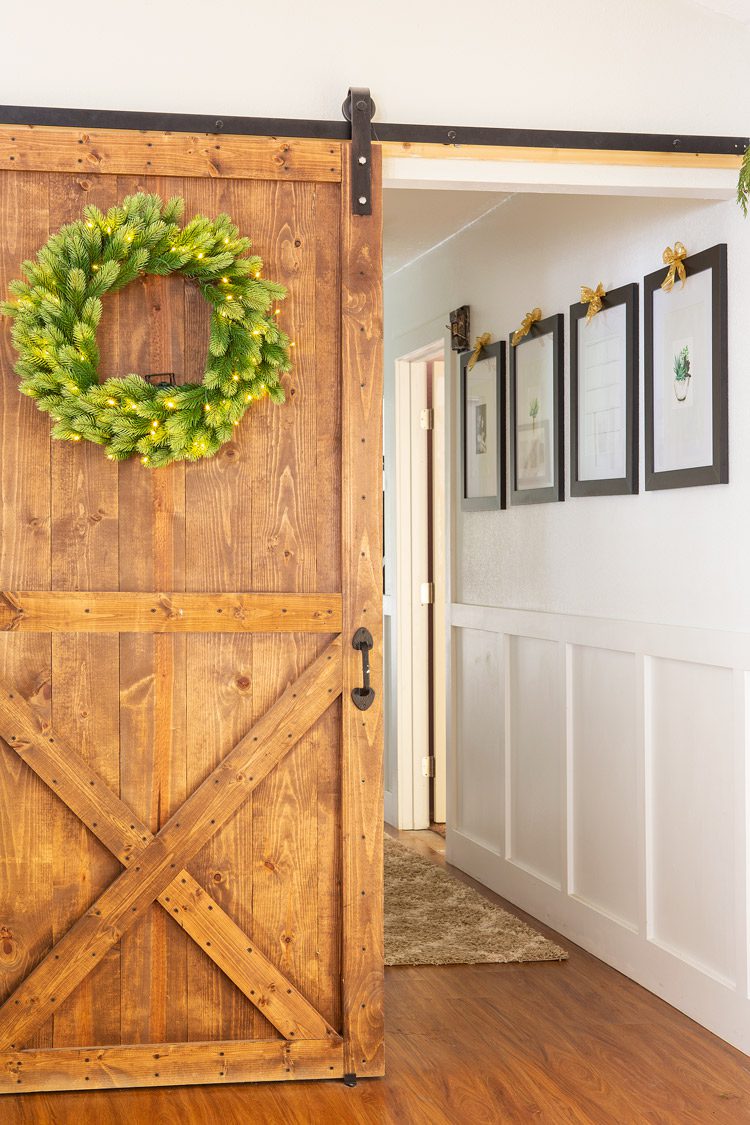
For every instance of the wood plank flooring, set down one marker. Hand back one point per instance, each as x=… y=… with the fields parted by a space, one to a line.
x=571 y=1042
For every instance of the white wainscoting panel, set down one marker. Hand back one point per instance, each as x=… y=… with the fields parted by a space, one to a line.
x=599 y=778
x=603 y=776
x=691 y=831
x=479 y=711
x=535 y=750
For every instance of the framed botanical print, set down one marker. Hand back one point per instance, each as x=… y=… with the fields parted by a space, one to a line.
x=483 y=429
x=604 y=396
x=536 y=414
x=686 y=401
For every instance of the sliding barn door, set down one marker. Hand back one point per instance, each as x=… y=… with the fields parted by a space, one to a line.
x=190 y=802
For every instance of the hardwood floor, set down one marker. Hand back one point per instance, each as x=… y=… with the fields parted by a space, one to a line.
x=549 y=1042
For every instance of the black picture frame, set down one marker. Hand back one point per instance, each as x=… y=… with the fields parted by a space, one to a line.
x=717 y=472
x=485 y=503
x=626 y=295
x=553 y=326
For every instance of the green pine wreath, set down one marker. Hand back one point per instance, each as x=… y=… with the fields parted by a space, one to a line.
x=56 y=312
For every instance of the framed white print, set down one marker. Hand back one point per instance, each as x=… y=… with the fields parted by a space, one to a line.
x=604 y=396
x=686 y=386
x=483 y=429
x=536 y=417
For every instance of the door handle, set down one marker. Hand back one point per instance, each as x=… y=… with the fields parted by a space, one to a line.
x=362 y=697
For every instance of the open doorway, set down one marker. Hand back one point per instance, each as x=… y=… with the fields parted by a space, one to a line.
x=419 y=581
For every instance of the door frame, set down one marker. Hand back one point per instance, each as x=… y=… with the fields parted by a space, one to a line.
x=411 y=681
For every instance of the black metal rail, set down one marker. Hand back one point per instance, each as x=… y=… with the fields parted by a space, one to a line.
x=381 y=131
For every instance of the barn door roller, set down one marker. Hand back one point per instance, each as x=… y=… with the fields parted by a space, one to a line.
x=359 y=109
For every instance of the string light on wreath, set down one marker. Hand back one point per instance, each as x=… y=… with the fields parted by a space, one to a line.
x=56 y=312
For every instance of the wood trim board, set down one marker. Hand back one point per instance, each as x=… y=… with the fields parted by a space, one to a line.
x=91 y=611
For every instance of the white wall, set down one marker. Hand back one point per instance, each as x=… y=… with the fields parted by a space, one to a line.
x=601 y=646
x=634 y=65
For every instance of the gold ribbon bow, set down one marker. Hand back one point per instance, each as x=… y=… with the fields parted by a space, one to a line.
x=673 y=259
x=594 y=298
x=481 y=343
x=526 y=323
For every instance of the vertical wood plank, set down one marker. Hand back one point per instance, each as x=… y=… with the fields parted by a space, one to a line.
x=361 y=552
x=152 y=669
x=25 y=805
x=326 y=736
x=85 y=669
x=285 y=906
x=220 y=496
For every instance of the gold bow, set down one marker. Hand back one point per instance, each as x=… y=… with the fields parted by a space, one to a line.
x=594 y=298
x=526 y=323
x=673 y=259
x=479 y=346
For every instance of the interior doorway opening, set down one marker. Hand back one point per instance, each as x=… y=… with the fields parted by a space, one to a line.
x=417 y=791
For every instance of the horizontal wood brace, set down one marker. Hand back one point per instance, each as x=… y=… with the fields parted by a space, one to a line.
x=168 y=1064
x=593 y=156
x=91 y=611
x=44 y=148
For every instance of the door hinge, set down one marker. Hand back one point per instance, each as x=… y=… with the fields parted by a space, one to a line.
x=427 y=419
x=428 y=767
x=427 y=593
x=359 y=108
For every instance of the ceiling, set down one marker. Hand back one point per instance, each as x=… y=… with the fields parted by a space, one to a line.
x=416 y=221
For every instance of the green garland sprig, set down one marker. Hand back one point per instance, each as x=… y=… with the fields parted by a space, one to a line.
x=56 y=312
x=743 y=182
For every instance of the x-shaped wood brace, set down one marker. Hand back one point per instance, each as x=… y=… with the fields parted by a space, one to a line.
x=155 y=865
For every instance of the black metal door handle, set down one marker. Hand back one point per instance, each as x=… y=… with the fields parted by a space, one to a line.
x=363 y=696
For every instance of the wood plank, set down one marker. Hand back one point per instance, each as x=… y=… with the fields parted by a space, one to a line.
x=169 y=1064
x=102 y=611
x=286 y=516
x=153 y=668
x=107 y=818
x=85 y=670
x=220 y=502
x=361 y=551
x=619 y=157
x=243 y=962
x=126 y=152
x=326 y=735
x=201 y=816
x=26 y=836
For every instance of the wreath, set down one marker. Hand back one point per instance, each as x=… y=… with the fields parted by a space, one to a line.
x=56 y=312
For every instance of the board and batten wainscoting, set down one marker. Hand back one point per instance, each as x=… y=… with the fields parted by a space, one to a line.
x=599 y=780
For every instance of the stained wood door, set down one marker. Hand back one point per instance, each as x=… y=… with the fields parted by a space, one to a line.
x=190 y=803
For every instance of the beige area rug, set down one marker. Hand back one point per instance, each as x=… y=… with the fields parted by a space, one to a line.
x=433 y=919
